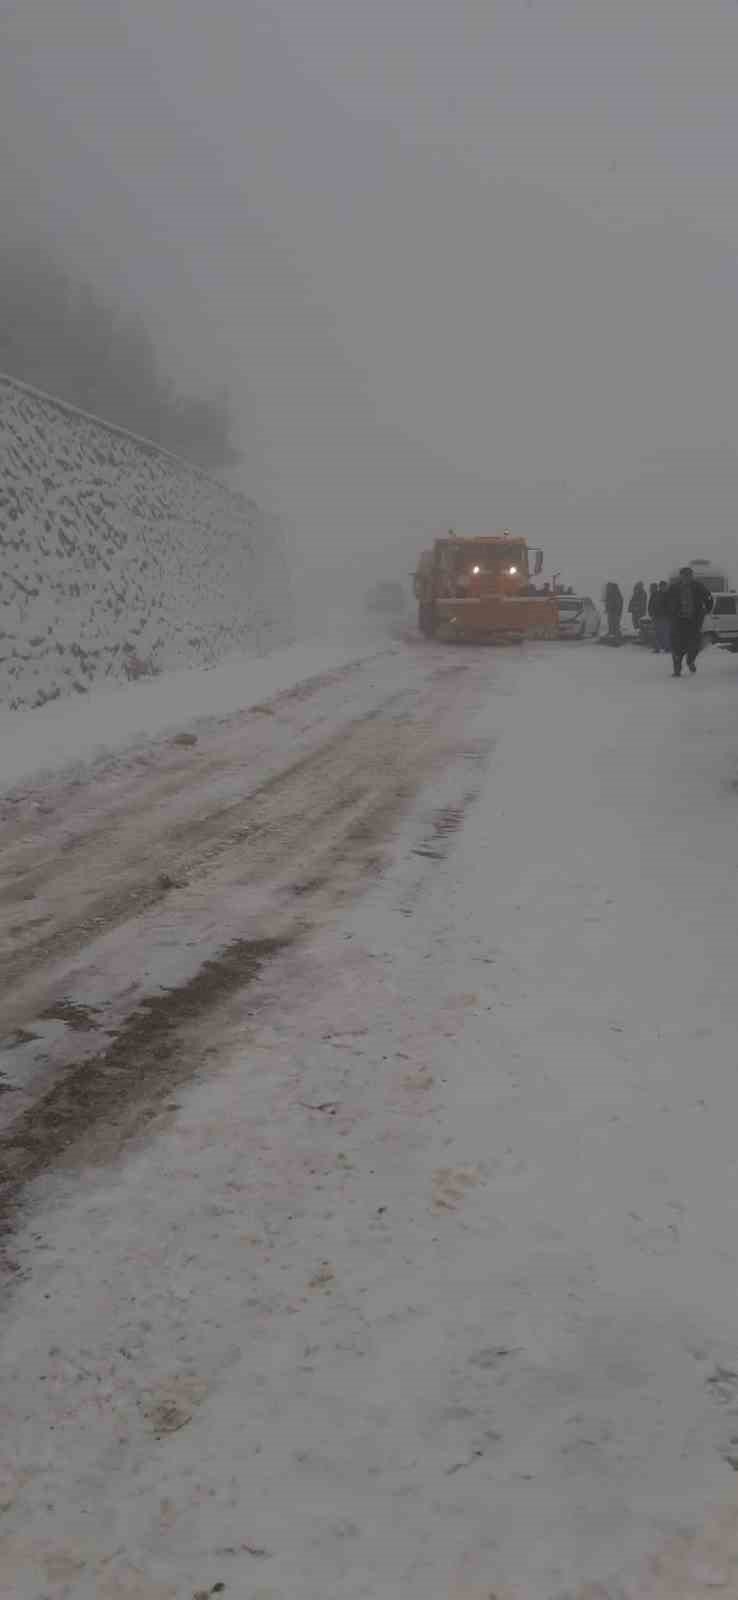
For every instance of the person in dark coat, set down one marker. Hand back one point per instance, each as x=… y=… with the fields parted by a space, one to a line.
x=687 y=603
x=613 y=609
x=638 y=605
x=659 y=617
x=653 y=590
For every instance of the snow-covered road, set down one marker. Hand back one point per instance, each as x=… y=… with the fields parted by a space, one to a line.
x=418 y=1277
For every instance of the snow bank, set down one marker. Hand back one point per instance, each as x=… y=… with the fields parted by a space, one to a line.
x=110 y=718
x=118 y=560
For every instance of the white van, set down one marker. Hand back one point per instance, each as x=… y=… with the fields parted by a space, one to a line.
x=721 y=625
x=713 y=577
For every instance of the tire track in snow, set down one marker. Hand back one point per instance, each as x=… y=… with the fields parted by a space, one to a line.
x=233 y=887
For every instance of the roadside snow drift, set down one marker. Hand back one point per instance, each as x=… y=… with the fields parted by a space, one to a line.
x=116 y=716
x=117 y=560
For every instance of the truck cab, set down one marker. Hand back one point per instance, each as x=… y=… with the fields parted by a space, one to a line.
x=481 y=588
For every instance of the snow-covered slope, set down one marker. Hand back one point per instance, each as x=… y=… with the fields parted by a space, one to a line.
x=118 y=560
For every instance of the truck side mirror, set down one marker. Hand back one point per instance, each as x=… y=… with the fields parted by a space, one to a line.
x=538 y=563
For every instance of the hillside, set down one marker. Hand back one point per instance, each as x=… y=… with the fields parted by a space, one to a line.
x=118 y=560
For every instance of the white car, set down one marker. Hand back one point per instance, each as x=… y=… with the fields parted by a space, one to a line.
x=578 y=617
x=721 y=624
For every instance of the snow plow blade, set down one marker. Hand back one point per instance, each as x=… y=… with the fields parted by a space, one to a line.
x=498 y=619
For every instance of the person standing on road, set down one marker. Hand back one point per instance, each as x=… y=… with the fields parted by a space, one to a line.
x=638 y=605
x=687 y=603
x=658 y=613
x=653 y=590
x=614 y=610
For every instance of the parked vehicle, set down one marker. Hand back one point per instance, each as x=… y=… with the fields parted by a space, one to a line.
x=481 y=589
x=721 y=626
x=579 y=617
x=713 y=577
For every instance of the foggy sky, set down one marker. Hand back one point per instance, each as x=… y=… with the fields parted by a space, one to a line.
x=468 y=262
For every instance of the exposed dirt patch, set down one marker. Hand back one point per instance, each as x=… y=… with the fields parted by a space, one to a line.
x=114 y=871
x=722 y=1386
x=122 y=1085
x=20 y=1037
x=99 y=915
x=268 y=854
x=450 y=1185
x=82 y=1019
x=170 y=1406
x=449 y=819
x=444 y=823
x=309 y=886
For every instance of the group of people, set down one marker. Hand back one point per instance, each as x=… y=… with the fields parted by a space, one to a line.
x=677 y=611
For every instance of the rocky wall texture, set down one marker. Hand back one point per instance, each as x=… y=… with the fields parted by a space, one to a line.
x=118 y=560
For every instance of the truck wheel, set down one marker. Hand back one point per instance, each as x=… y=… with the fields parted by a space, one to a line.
x=427 y=620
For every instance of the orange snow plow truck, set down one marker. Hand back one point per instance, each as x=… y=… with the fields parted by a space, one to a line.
x=481 y=589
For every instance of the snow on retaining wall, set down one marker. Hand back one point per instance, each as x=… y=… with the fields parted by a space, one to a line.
x=118 y=560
